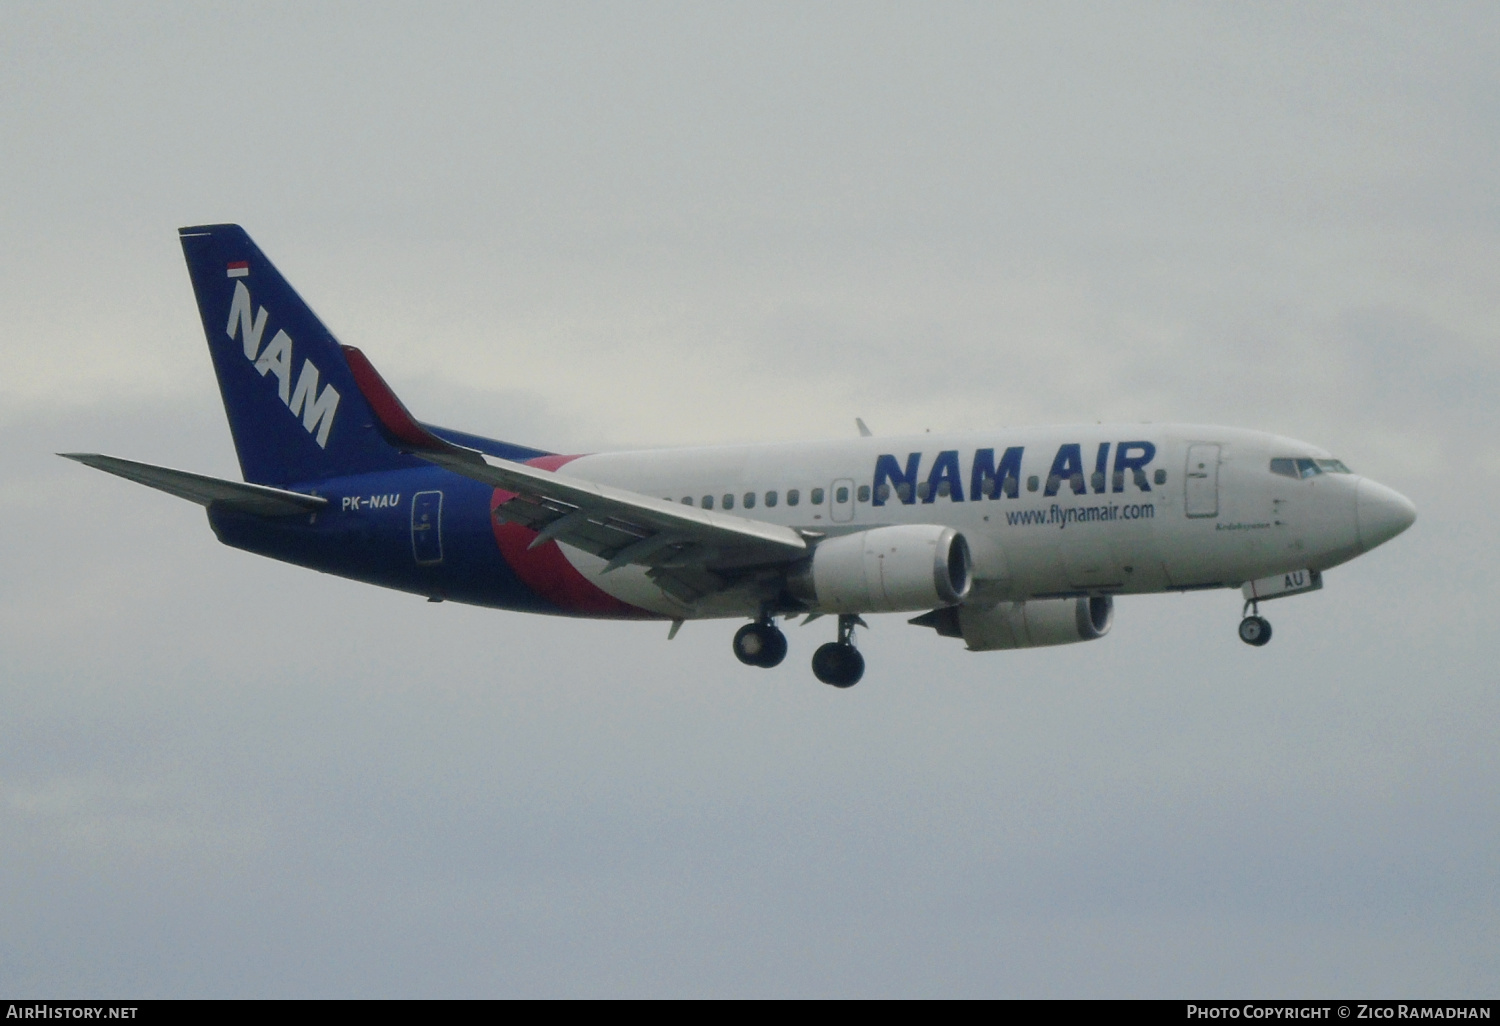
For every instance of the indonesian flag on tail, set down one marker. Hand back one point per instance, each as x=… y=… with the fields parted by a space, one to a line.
x=239 y=269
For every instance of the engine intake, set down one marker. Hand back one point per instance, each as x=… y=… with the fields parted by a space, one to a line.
x=885 y=570
x=1030 y=624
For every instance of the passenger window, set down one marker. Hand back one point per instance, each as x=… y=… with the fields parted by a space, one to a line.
x=1076 y=481
x=749 y=500
x=883 y=493
x=708 y=502
x=1097 y=481
x=1119 y=480
x=1161 y=477
x=841 y=496
x=1032 y=483
x=793 y=496
x=816 y=497
x=687 y=500
x=728 y=501
x=903 y=491
x=923 y=490
x=1284 y=467
x=770 y=498
x=1053 y=482
x=945 y=488
x=864 y=493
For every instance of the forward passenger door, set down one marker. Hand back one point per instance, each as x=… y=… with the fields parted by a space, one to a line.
x=1201 y=482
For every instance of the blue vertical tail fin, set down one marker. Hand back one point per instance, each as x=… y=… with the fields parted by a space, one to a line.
x=295 y=410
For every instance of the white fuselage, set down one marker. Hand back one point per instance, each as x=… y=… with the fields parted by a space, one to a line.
x=1160 y=526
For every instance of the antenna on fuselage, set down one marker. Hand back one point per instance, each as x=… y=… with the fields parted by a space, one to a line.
x=864 y=432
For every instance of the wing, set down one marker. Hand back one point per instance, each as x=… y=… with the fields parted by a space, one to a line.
x=206 y=491
x=689 y=552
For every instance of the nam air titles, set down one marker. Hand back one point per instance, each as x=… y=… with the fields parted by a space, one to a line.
x=303 y=399
x=989 y=478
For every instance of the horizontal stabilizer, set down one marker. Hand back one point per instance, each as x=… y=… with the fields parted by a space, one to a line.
x=260 y=500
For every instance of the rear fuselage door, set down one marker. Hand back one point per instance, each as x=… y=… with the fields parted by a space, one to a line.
x=427 y=527
x=841 y=501
x=1201 y=483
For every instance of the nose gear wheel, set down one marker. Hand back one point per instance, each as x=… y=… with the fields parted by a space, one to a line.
x=1254 y=628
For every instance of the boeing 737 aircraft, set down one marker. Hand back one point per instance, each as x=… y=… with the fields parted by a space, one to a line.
x=1004 y=539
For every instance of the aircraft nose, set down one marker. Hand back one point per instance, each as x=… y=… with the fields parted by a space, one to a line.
x=1381 y=513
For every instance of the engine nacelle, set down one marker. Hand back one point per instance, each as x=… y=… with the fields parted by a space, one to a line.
x=1030 y=624
x=885 y=570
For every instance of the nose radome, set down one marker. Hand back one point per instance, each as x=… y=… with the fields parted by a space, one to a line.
x=1382 y=513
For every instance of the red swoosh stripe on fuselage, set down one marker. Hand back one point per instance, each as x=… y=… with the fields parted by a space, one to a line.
x=546 y=571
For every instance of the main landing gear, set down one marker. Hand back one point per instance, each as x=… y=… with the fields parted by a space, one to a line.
x=839 y=662
x=1254 y=628
x=760 y=644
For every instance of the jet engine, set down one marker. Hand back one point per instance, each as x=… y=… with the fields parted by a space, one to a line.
x=1029 y=624
x=885 y=570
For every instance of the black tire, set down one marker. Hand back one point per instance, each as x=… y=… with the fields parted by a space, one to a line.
x=757 y=644
x=825 y=662
x=775 y=650
x=839 y=665
x=749 y=644
x=1255 y=630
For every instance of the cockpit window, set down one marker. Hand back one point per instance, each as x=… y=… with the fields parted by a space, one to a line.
x=1288 y=467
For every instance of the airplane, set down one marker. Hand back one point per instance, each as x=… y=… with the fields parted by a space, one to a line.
x=1004 y=539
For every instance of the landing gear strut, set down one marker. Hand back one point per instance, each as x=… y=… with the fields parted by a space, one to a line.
x=839 y=662
x=760 y=644
x=1254 y=628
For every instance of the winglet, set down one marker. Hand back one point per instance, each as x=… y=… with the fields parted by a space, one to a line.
x=396 y=421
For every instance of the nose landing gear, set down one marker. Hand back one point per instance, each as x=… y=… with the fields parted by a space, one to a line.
x=839 y=662
x=1254 y=628
x=760 y=644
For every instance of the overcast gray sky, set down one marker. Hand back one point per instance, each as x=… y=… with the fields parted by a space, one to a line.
x=590 y=226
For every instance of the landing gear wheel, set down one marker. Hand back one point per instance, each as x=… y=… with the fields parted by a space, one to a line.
x=775 y=650
x=1255 y=630
x=838 y=664
x=760 y=644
